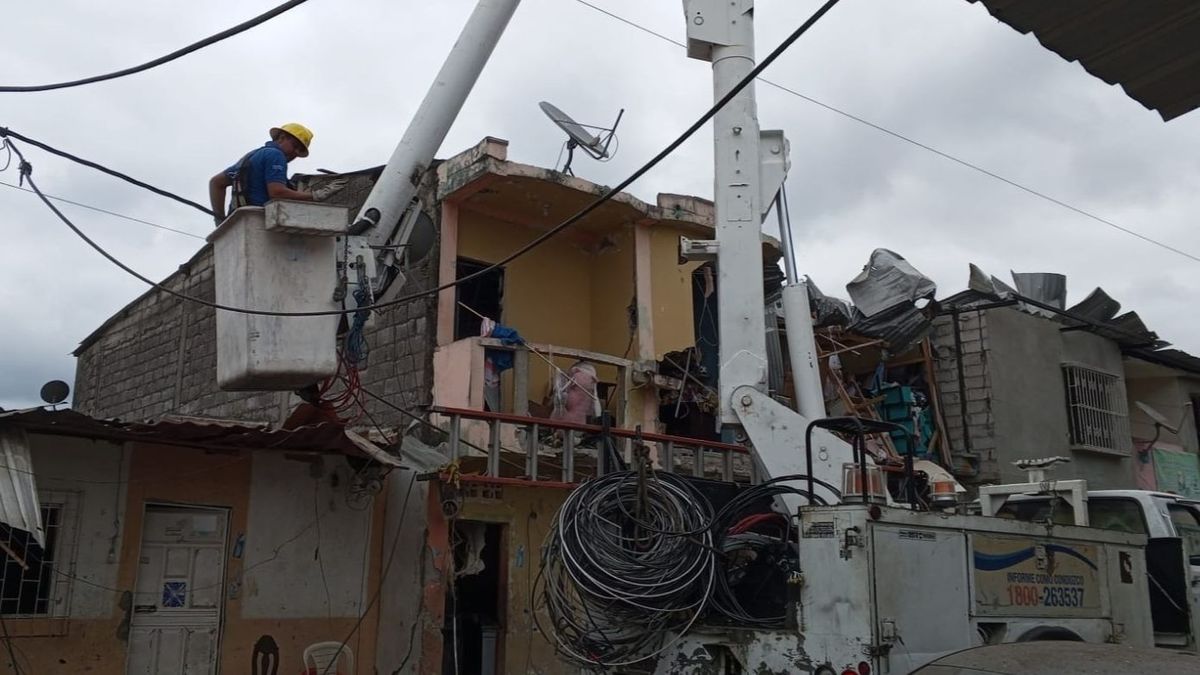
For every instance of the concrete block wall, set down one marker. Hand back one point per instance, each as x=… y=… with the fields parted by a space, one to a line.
x=973 y=441
x=400 y=363
x=158 y=356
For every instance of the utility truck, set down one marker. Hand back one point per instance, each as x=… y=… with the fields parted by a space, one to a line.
x=1171 y=525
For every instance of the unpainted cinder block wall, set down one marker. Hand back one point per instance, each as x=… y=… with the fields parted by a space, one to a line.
x=1013 y=396
x=158 y=356
x=966 y=402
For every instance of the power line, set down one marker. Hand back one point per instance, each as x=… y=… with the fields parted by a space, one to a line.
x=195 y=46
x=106 y=211
x=919 y=144
x=5 y=132
x=534 y=243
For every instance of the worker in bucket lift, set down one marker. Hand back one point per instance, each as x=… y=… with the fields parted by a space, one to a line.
x=261 y=175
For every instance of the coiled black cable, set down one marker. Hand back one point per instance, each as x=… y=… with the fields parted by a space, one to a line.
x=740 y=551
x=614 y=590
x=621 y=572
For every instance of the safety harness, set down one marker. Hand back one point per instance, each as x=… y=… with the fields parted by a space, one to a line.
x=241 y=181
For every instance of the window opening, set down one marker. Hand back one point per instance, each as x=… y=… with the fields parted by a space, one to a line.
x=31 y=591
x=1096 y=409
x=483 y=294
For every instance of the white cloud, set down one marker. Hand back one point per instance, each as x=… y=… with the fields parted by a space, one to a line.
x=941 y=71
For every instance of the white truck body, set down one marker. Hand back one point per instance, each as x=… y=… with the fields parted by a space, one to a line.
x=898 y=591
x=1172 y=526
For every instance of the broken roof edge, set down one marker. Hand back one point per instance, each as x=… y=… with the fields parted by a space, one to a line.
x=458 y=178
x=490 y=157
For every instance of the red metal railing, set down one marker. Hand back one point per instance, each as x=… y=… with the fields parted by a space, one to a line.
x=734 y=462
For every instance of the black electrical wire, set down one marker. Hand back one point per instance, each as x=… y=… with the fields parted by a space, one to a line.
x=534 y=243
x=614 y=590
x=107 y=212
x=5 y=132
x=195 y=46
x=725 y=598
x=899 y=136
x=619 y=572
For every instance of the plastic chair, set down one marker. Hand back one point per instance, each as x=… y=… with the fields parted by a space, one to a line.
x=320 y=657
x=265 y=659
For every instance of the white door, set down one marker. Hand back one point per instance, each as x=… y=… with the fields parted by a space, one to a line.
x=180 y=583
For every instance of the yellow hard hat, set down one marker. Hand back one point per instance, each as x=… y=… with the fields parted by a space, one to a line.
x=297 y=131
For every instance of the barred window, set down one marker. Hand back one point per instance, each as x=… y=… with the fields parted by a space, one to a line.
x=39 y=588
x=1096 y=409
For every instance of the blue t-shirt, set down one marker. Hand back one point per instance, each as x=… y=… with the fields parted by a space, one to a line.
x=267 y=165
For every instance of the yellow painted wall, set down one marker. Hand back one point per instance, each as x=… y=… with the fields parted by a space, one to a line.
x=547 y=292
x=671 y=290
x=561 y=294
x=612 y=291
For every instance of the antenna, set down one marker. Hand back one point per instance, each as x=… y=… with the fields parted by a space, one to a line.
x=579 y=137
x=55 y=392
x=1160 y=420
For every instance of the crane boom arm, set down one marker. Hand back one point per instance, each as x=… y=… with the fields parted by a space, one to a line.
x=381 y=219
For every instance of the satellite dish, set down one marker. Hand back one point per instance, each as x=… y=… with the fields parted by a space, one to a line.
x=1159 y=418
x=55 y=392
x=579 y=137
x=421 y=241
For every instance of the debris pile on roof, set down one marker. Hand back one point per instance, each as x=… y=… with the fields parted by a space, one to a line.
x=885 y=296
x=1045 y=294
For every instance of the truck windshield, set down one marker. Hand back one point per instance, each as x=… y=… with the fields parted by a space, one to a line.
x=1109 y=513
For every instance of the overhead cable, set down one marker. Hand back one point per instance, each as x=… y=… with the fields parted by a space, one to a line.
x=537 y=241
x=106 y=211
x=195 y=46
x=5 y=132
x=929 y=148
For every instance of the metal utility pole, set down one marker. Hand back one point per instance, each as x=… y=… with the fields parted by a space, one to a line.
x=722 y=31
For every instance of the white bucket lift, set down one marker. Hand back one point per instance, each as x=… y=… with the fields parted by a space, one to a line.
x=306 y=257
x=279 y=258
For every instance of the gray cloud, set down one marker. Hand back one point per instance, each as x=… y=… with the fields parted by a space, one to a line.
x=940 y=71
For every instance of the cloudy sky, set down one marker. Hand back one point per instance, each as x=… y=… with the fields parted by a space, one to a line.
x=939 y=71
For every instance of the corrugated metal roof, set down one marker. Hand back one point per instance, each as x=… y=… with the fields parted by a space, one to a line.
x=1171 y=358
x=189 y=432
x=1149 y=47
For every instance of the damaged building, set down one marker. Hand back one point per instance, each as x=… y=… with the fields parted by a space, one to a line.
x=499 y=394
x=473 y=411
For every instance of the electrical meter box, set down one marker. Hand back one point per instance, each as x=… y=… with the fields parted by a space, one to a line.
x=278 y=258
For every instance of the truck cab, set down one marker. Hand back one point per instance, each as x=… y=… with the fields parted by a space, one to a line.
x=1172 y=527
